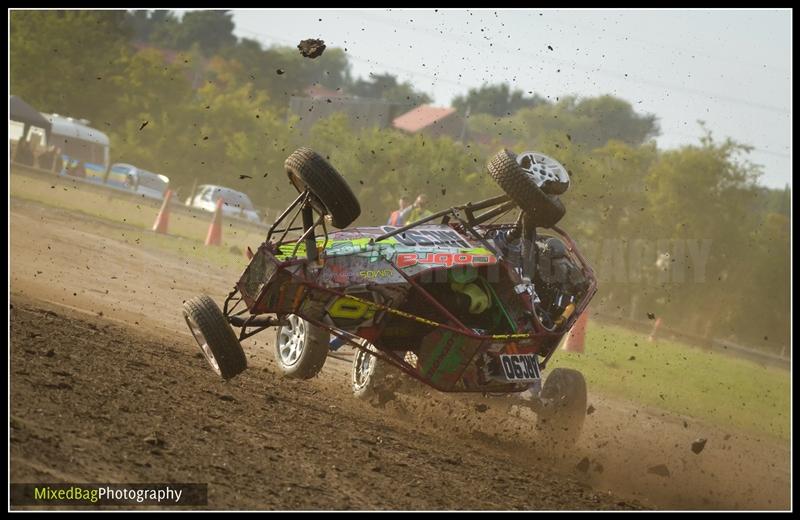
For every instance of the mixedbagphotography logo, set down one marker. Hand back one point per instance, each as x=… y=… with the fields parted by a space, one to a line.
x=94 y=494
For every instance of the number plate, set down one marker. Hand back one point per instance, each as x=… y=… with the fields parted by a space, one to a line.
x=520 y=367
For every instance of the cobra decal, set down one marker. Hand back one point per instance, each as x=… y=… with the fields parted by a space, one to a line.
x=446 y=259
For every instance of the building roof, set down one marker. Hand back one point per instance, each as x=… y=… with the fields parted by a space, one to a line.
x=421 y=117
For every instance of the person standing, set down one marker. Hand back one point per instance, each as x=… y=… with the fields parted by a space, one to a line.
x=418 y=210
x=397 y=218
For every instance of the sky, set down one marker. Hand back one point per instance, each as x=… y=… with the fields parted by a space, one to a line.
x=729 y=68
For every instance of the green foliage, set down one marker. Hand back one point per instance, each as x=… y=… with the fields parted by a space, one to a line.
x=261 y=67
x=768 y=255
x=589 y=123
x=384 y=165
x=385 y=86
x=213 y=135
x=51 y=68
x=157 y=27
x=209 y=30
x=495 y=100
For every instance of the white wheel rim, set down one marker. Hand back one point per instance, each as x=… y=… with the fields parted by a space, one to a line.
x=291 y=340
x=203 y=344
x=542 y=168
x=362 y=365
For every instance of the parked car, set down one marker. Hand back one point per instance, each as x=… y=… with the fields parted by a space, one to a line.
x=131 y=178
x=235 y=203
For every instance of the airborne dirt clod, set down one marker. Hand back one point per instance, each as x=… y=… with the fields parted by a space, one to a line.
x=699 y=445
x=661 y=470
x=311 y=48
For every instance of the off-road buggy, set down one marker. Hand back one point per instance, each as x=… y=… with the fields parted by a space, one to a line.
x=454 y=300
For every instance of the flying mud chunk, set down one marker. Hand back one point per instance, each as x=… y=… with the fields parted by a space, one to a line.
x=311 y=48
x=660 y=470
x=698 y=445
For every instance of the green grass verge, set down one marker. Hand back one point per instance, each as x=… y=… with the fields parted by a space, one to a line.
x=186 y=232
x=716 y=387
x=76 y=197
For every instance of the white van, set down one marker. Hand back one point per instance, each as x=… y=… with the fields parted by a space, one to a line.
x=85 y=150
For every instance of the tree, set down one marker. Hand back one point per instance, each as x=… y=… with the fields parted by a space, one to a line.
x=611 y=118
x=763 y=318
x=211 y=30
x=261 y=66
x=213 y=135
x=382 y=165
x=496 y=100
x=706 y=192
x=158 y=27
x=385 y=86
x=50 y=66
x=589 y=123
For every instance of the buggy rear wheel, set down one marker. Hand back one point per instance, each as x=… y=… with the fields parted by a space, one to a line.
x=373 y=378
x=377 y=381
x=301 y=348
x=215 y=337
x=330 y=193
x=563 y=410
x=541 y=209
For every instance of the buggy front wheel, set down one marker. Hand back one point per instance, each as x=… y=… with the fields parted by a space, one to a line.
x=215 y=337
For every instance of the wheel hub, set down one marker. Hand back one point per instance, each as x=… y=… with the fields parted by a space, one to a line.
x=203 y=344
x=291 y=340
x=363 y=364
x=542 y=168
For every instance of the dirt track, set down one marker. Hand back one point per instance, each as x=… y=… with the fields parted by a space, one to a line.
x=125 y=397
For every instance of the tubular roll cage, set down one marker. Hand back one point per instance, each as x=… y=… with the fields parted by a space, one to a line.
x=465 y=215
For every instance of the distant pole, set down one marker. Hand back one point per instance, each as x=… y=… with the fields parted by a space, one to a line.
x=464 y=128
x=653 y=333
x=634 y=306
x=191 y=193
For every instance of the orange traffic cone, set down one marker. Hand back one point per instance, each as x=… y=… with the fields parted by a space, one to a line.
x=653 y=333
x=214 y=237
x=162 y=220
x=577 y=335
